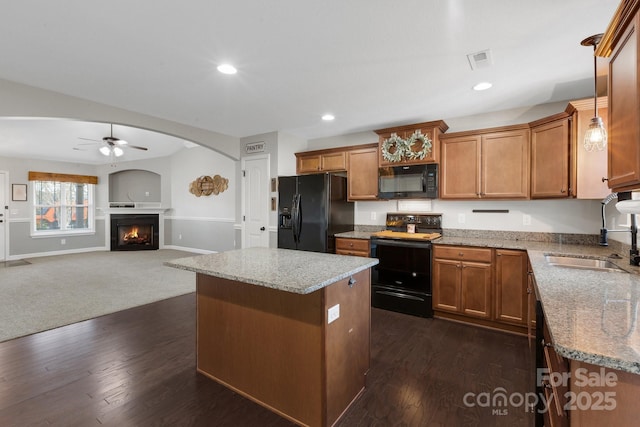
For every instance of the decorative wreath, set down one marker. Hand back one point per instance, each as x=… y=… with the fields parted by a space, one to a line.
x=207 y=185
x=426 y=145
x=398 y=144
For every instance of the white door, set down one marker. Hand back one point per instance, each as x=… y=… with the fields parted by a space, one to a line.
x=4 y=213
x=255 y=201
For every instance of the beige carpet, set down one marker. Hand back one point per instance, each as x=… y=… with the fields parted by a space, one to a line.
x=59 y=290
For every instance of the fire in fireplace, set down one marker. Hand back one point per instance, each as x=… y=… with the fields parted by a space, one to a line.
x=134 y=232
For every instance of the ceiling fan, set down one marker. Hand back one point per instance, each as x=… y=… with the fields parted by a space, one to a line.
x=112 y=145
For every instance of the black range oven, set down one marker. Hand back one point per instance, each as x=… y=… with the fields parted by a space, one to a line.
x=402 y=280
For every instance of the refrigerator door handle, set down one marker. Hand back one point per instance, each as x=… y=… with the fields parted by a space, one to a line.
x=294 y=217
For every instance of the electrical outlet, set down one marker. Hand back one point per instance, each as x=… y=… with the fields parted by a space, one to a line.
x=461 y=218
x=374 y=216
x=63 y=241
x=333 y=313
x=146 y=193
x=179 y=236
x=526 y=219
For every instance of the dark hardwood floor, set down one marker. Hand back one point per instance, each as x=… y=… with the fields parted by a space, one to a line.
x=137 y=368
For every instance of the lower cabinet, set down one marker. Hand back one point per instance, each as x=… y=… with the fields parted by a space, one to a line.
x=348 y=246
x=462 y=280
x=482 y=285
x=511 y=286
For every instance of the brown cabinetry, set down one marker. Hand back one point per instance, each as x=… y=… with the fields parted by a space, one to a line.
x=348 y=246
x=511 y=287
x=621 y=44
x=321 y=161
x=362 y=173
x=550 y=157
x=587 y=168
x=462 y=280
x=431 y=130
x=491 y=163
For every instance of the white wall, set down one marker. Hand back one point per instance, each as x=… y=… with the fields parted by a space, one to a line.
x=288 y=145
x=189 y=164
x=549 y=216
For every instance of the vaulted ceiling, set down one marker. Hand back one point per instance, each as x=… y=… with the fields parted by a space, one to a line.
x=371 y=63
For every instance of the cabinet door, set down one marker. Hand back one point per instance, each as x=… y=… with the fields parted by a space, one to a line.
x=333 y=162
x=446 y=285
x=476 y=289
x=550 y=160
x=624 y=126
x=460 y=171
x=505 y=164
x=511 y=286
x=362 y=174
x=308 y=163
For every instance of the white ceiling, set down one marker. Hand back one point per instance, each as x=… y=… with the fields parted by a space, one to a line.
x=372 y=63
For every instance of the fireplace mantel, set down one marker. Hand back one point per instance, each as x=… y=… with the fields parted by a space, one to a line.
x=134 y=211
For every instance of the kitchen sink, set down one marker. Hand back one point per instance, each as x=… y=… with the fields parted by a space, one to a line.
x=583 y=263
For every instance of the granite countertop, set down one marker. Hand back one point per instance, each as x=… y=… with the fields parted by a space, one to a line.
x=363 y=235
x=299 y=272
x=592 y=315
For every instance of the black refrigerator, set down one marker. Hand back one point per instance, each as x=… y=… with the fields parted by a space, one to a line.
x=311 y=210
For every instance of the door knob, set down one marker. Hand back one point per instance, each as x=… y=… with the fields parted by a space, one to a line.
x=262 y=228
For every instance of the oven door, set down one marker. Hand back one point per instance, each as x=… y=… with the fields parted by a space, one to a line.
x=402 y=279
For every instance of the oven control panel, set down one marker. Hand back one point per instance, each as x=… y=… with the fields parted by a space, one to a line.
x=424 y=222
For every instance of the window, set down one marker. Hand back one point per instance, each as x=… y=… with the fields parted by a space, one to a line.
x=63 y=206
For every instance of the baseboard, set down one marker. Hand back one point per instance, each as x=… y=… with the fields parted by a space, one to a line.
x=52 y=253
x=185 y=249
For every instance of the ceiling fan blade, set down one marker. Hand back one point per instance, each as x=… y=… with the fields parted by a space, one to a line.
x=89 y=139
x=137 y=147
x=89 y=143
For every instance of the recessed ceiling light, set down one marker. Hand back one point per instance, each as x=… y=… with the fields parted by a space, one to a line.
x=482 y=86
x=328 y=117
x=227 y=69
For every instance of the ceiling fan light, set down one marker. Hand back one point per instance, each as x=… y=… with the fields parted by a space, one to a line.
x=105 y=150
x=118 y=151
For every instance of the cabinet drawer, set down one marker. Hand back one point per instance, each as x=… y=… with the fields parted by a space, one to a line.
x=462 y=253
x=352 y=245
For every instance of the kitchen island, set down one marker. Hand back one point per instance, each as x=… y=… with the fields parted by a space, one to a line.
x=287 y=329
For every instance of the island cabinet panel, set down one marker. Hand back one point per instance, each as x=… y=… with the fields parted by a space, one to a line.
x=278 y=348
x=550 y=159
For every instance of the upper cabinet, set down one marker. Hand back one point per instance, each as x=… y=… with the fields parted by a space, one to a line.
x=550 y=157
x=587 y=168
x=362 y=173
x=359 y=161
x=489 y=163
x=411 y=144
x=620 y=43
x=321 y=161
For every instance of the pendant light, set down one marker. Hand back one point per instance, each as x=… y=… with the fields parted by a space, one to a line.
x=596 y=136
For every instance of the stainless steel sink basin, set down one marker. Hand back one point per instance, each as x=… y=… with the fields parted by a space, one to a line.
x=583 y=263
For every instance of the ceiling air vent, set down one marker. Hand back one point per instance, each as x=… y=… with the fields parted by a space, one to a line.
x=480 y=59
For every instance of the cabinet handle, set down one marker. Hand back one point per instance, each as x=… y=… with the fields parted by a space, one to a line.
x=562 y=190
x=605 y=179
x=460 y=254
x=352 y=281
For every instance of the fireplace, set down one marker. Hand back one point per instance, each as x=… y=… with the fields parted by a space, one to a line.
x=135 y=232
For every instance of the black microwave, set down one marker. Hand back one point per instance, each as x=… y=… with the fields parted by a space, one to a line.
x=408 y=182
